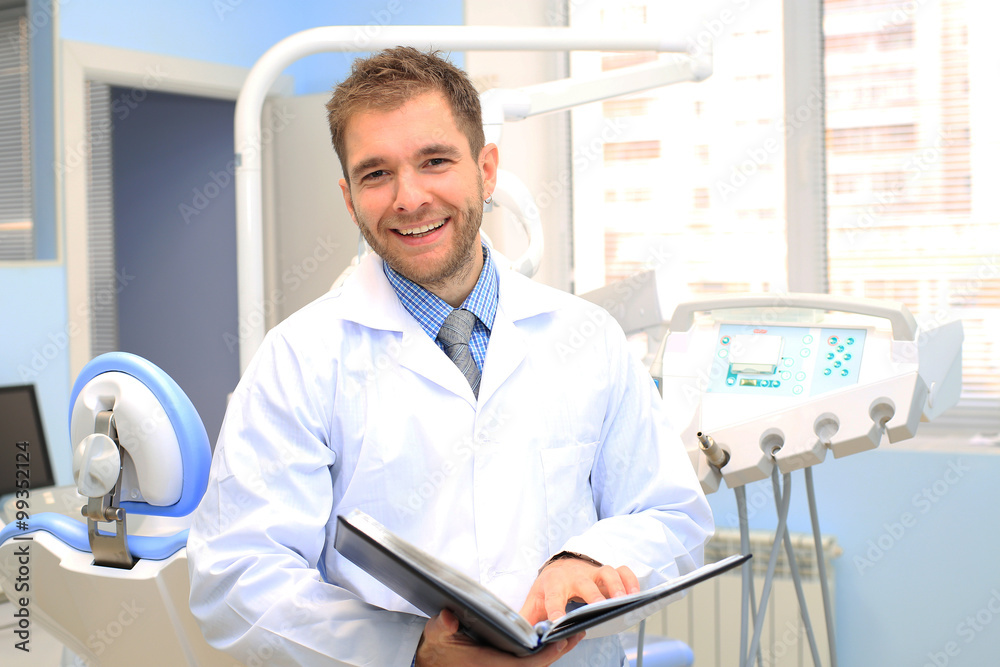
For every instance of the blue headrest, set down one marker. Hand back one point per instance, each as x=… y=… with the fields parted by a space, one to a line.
x=196 y=451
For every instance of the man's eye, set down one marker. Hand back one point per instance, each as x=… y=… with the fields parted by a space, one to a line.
x=378 y=173
x=436 y=161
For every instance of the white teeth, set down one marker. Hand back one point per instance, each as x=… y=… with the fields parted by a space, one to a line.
x=420 y=230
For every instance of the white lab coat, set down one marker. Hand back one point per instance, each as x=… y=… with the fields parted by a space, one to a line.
x=349 y=404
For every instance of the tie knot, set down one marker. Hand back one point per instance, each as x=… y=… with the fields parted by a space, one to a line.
x=457 y=327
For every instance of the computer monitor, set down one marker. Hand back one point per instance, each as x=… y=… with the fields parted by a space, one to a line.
x=21 y=421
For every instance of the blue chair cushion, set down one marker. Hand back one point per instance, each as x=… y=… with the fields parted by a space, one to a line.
x=657 y=651
x=74 y=533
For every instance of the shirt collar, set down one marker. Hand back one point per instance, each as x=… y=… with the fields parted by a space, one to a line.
x=430 y=310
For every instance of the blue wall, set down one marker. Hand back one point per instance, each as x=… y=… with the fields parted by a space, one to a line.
x=238 y=32
x=34 y=338
x=921 y=553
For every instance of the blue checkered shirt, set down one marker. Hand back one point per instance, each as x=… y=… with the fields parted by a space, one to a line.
x=430 y=310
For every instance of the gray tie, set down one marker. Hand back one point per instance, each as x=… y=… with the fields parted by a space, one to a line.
x=454 y=334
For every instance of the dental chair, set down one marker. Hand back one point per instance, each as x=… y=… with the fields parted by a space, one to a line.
x=112 y=583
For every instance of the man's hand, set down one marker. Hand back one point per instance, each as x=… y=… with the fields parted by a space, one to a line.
x=444 y=646
x=574 y=579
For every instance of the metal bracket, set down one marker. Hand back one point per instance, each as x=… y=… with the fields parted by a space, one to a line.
x=109 y=550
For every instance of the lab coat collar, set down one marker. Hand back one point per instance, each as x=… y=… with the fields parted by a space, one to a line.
x=369 y=300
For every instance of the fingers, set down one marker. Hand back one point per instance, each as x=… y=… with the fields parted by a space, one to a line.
x=450 y=620
x=573 y=579
x=629 y=579
x=610 y=582
x=443 y=645
x=615 y=582
x=534 y=608
x=445 y=623
x=552 y=652
x=557 y=597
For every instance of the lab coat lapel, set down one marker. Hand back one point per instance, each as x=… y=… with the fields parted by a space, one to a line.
x=506 y=351
x=421 y=355
x=370 y=301
x=520 y=300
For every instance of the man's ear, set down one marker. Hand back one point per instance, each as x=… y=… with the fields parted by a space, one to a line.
x=344 y=188
x=489 y=158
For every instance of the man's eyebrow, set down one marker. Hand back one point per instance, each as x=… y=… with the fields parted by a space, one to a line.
x=446 y=150
x=439 y=149
x=358 y=170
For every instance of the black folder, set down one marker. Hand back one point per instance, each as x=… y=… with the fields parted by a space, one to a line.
x=431 y=585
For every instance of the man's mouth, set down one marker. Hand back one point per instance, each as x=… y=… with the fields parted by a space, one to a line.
x=423 y=229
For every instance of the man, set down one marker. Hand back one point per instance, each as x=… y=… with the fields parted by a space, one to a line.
x=542 y=467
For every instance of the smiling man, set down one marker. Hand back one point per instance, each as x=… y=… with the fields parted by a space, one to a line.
x=416 y=192
x=494 y=422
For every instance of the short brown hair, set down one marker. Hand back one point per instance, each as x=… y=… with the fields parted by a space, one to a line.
x=389 y=79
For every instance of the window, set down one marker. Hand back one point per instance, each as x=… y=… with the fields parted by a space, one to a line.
x=870 y=139
x=708 y=155
x=701 y=198
x=631 y=151
x=17 y=240
x=629 y=106
x=619 y=60
x=911 y=215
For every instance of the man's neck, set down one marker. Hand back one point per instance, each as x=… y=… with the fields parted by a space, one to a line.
x=456 y=290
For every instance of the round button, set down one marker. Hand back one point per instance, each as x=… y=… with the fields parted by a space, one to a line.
x=850 y=341
x=807 y=339
x=797 y=389
x=723 y=354
x=844 y=372
x=827 y=371
x=788 y=361
x=830 y=355
x=832 y=340
x=847 y=357
x=800 y=376
x=837 y=364
x=785 y=375
x=775 y=383
x=725 y=340
x=805 y=352
x=765 y=383
x=730 y=380
x=840 y=348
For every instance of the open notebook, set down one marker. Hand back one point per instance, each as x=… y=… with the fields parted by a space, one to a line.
x=430 y=586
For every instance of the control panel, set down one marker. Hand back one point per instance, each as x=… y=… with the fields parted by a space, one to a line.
x=785 y=360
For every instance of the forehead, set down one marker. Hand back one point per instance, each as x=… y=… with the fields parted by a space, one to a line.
x=422 y=120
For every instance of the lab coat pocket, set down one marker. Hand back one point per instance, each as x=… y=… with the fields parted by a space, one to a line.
x=569 y=499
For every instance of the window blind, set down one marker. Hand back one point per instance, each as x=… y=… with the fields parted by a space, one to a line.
x=104 y=284
x=906 y=220
x=16 y=227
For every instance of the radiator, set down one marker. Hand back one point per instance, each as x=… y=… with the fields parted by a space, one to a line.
x=708 y=618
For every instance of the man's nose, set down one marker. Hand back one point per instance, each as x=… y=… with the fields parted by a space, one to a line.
x=411 y=191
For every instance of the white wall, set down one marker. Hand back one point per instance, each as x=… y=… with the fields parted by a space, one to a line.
x=536 y=150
